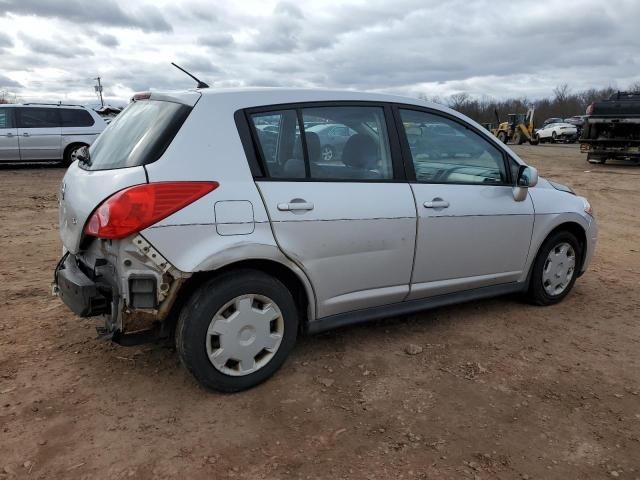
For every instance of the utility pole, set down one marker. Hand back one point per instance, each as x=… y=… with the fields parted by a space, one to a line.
x=98 y=89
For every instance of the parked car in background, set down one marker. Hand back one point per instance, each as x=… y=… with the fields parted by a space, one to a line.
x=234 y=248
x=333 y=138
x=36 y=132
x=552 y=120
x=558 y=132
x=577 y=120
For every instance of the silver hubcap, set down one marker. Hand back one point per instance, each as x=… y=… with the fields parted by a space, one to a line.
x=244 y=334
x=559 y=269
x=327 y=154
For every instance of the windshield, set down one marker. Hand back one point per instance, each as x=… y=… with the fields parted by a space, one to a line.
x=139 y=135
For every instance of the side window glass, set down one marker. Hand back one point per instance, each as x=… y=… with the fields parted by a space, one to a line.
x=347 y=143
x=278 y=135
x=38 y=117
x=75 y=118
x=6 y=118
x=444 y=151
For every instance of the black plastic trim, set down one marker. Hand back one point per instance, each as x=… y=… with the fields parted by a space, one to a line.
x=412 y=306
x=246 y=137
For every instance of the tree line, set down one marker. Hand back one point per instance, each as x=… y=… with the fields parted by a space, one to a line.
x=563 y=104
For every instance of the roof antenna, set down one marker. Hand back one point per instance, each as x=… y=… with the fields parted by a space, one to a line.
x=201 y=84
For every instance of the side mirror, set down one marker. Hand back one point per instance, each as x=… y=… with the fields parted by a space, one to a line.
x=527 y=177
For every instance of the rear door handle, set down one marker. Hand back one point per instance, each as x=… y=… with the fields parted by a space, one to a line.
x=25 y=134
x=295 y=206
x=9 y=134
x=436 y=203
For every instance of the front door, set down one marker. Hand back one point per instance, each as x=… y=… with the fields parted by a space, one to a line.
x=9 y=146
x=347 y=223
x=39 y=132
x=471 y=231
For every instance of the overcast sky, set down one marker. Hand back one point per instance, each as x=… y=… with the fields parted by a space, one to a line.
x=52 y=50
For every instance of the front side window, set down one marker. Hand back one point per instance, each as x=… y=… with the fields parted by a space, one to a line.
x=34 y=117
x=445 y=151
x=340 y=143
x=6 y=117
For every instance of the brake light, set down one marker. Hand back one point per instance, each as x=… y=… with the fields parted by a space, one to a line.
x=141 y=96
x=135 y=208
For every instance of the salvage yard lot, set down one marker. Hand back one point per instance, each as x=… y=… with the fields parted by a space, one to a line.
x=497 y=389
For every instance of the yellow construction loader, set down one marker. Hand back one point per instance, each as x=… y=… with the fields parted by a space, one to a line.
x=519 y=128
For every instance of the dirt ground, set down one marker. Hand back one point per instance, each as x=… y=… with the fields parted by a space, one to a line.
x=501 y=389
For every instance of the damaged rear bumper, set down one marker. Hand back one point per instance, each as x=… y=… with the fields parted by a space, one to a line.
x=129 y=285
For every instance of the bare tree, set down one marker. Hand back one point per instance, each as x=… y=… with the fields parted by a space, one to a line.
x=458 y=101
x=561 y=93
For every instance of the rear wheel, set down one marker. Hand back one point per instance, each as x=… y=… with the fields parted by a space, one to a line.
x=237 y=330
x=535 y=139
x=595 y=158
x=555 y=269
x=502 y=136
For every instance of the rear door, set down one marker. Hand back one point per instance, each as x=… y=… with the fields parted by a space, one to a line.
x=39 y=132
x=349 y=223
x=9 y=146
x=471 y=231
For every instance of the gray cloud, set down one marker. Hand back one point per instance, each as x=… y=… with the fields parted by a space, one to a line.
x=55 y=47
x=216 y=40
x=107 y=40
x=6 y=82
x=5 y=40
x=102 y=12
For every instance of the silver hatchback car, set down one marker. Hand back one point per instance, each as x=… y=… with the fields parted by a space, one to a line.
x=211 y=217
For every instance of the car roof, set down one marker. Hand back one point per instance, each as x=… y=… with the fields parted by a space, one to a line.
x=240 y=98
x=43 y=105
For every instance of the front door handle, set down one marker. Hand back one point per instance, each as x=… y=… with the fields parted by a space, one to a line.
x=9 y=134
x=436 y=203
x=25 y=134
x=295 y=206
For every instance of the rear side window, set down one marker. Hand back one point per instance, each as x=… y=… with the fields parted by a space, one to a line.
x=75 y=118
x=6 y=117
x=138 y=136
x=34 y=117
x=336 y=143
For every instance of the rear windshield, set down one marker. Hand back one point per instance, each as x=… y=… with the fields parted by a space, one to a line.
x=139 y=135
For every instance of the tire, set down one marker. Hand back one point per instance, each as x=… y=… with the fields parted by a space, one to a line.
x=327 y=153
x=554 y=137
x=541 y=288
x=517 y=139
x=535 y=140
x=216 y=304
x=70 y=152
x=502 y=136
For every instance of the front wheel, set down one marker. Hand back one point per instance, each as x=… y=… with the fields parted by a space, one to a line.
x=554 y=137
x=237 y=330
x=555 y=269
x=535 y=139
x=502 y=136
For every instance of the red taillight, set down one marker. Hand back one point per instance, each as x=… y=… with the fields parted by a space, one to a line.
x=135 y=208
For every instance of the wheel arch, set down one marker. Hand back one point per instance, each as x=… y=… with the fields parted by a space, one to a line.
x=573 y=227
x=299 y=287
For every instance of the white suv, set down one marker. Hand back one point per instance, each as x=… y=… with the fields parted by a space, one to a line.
x=212 y=217
x=33 y=132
